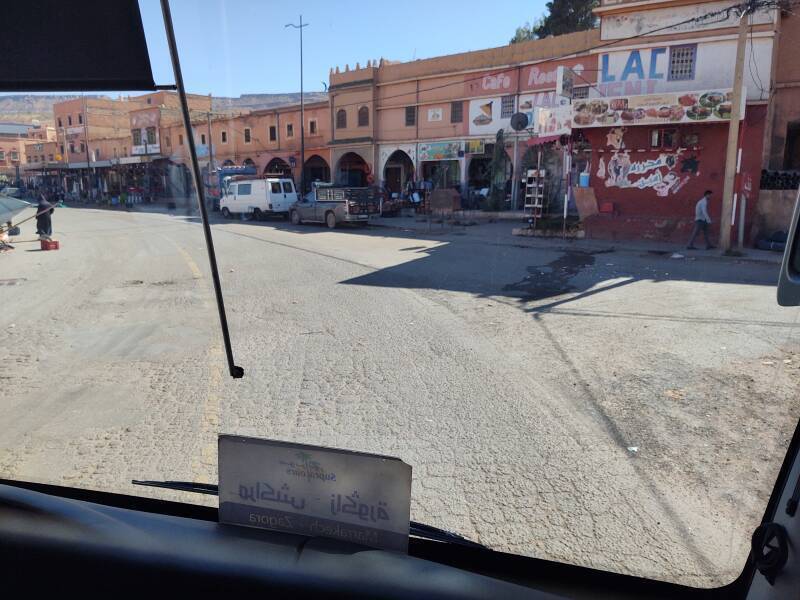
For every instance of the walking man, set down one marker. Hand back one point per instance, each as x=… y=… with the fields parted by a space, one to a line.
x=701 y=221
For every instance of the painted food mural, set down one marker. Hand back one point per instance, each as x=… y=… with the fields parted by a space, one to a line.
x=665 y=174
x=714 y=105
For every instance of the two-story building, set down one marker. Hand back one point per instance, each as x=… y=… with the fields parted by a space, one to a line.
x=13 y=139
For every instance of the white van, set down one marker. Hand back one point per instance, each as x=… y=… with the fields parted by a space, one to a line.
x=257 y=197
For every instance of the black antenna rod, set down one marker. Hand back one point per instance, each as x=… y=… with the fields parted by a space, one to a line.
x=235 y=371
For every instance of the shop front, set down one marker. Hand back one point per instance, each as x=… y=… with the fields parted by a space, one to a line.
x=397 y=165
x=441 y=164
x=653 y=156
x=353 y=165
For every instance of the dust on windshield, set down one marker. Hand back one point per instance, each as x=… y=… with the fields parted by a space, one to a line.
x=513 y=260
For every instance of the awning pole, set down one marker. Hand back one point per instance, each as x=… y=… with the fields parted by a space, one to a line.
x=235 y=371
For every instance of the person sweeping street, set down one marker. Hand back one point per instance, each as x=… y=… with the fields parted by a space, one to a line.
x=44 y=222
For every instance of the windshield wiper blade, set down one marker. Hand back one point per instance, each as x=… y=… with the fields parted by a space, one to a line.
x=429 y=532
x=420 y=530
x=181 y=486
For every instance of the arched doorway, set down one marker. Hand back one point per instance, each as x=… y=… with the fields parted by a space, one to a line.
x=228 y=163
x=278 y=166
x=249 y=162
x=316 y=169
x=399 y=169
x=352 y=170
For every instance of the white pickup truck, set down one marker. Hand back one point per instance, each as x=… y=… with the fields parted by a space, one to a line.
x=257 y=197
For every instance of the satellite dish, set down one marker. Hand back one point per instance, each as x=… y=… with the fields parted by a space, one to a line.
x=519 y=121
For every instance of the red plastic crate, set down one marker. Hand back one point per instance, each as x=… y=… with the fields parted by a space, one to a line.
x=49 y=245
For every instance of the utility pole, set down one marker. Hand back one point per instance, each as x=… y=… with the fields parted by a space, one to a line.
x=86 y=146
x=302 y=111
x=210 y=153
x=210 y=147
x=726 y=217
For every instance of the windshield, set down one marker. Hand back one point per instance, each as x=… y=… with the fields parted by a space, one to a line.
x=531 y=303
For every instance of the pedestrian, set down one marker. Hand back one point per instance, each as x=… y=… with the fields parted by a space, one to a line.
x=701 y=221
x=44 y=223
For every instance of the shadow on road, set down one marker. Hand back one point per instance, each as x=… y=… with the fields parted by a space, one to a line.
x=542 y=279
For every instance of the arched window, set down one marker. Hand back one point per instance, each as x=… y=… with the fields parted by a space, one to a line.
x=363 y=117
x=341 y=119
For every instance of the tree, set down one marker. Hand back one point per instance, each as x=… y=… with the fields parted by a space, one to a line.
x=567 y=16
x=525 y=33
x=498 y=169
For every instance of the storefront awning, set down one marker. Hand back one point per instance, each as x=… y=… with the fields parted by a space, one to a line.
x=545 y=139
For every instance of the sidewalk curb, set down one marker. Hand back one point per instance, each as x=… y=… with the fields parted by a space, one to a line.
x=589 y=245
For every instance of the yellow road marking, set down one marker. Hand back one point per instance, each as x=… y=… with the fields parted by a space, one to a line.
x=205 y=465
x=196 y=272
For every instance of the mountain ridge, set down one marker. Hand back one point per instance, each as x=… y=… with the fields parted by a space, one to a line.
x=25 y=108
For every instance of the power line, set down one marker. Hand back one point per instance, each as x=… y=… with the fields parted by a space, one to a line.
x=574 y=53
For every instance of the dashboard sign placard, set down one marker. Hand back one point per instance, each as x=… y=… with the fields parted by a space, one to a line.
x=315 y=491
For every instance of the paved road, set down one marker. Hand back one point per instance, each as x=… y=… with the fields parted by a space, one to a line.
x=620 y=410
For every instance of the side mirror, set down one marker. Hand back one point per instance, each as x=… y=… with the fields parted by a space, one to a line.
x=789 y=281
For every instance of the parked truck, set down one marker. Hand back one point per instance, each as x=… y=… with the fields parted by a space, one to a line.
x=332 y=204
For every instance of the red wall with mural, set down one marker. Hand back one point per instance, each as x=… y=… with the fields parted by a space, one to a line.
x=671 y=181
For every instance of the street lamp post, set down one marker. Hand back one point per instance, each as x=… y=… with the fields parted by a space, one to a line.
x=302 y=111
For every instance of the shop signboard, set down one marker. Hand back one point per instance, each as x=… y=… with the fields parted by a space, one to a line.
x=148 y=149
x=476 y=147
x=435 y=114
x=556 y=120
x=544 y=76
x=439 y=151
x=655 y=109
x=485 y=116
x=681 y=68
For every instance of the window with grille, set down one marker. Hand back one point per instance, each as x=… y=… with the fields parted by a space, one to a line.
x=137 y=137
x=411 y=116
x=151 y=135
x=246 y=135
x=681 y=62
x=69 y=119
x=289 y=130
x=579 y=93
x=507 y=107
x=363 y=116
x=273 y=133
x=312 y=127
x=666 y=139
x=456 y=112
x=341 y=119
x=80 y=119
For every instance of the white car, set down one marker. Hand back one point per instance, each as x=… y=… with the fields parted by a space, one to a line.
x=258 y=197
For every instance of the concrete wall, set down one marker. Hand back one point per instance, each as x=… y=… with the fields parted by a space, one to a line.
x=773 y=212
x=786 y=94
x=657 y=202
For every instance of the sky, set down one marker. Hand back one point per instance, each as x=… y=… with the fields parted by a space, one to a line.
x=234 y=47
